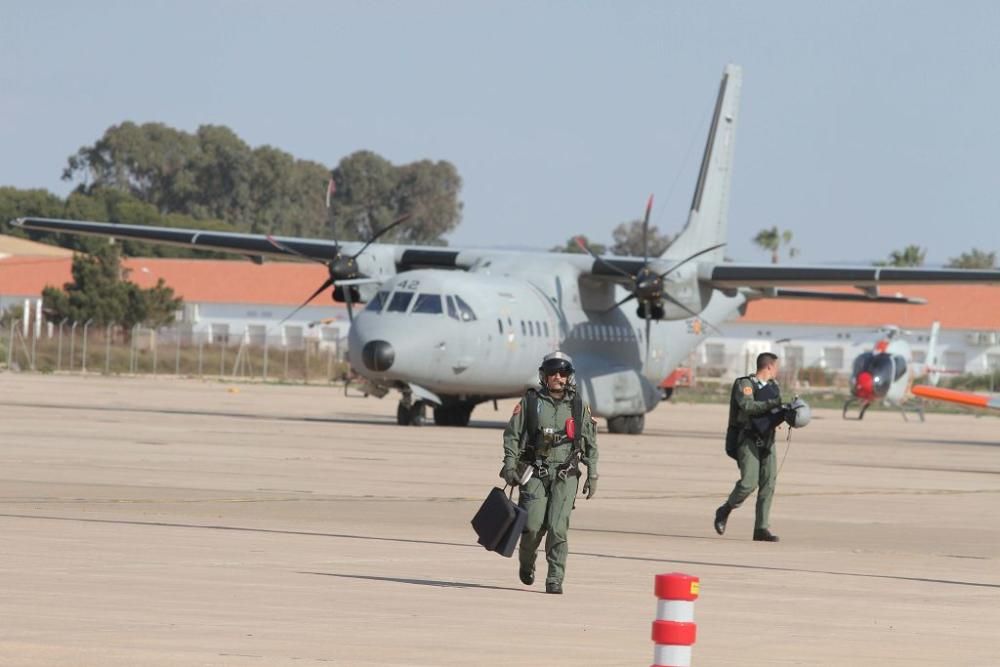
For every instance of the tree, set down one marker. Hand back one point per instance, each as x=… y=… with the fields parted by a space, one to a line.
x=628 y=240
x=911 y=255
x=772 y=240
x=101 y=292
x=213 y=174
x=370 y=192
x=974 y=259
x=573 y=247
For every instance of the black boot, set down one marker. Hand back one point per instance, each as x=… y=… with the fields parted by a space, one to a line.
x=721 y=516
x=553 y=587
x=527 y=575
x=764 y=535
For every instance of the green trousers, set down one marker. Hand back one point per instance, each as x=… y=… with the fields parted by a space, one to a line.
x=758 y=467
x=549 y=503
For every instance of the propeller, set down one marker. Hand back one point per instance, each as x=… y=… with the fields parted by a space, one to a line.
x=342 y=269
x=646 y=285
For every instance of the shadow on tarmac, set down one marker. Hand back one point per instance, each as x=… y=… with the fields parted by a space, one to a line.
x=643 y=559
x=423 y=582
x=374 y=421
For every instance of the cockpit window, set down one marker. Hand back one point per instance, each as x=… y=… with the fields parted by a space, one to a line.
x=452 y=310
x=465 y=311
x=861 y=363
x=900 y=363
x=375 y=305
x=399 y=302
x=428 y=303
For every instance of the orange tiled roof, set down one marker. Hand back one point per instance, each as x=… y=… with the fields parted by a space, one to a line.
x=954 y=306
x=196 y=280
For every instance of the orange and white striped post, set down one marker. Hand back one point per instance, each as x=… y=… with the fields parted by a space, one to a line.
x=674 y=628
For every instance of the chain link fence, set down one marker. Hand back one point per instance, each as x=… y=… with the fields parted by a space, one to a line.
x=82 y=347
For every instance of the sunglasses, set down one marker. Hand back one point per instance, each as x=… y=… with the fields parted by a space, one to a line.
x=560 y=373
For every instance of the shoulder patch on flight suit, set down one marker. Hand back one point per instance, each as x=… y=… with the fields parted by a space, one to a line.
x=517 y=409
x=748 y=390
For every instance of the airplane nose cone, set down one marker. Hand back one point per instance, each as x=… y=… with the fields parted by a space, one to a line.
x=378 y=355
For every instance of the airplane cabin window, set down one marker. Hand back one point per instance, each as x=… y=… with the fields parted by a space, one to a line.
x=452 y=310
x=375 y=305
x=524 y=329
x=546 y=325
x=465 y=312
x=428 y=303
x=531 y=328
x=500 y=325
x=399 y=302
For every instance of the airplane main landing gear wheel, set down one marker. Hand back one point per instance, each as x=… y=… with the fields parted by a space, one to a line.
x=410 y=414
x=636 y=423
x=452 y=415
x=631 y=424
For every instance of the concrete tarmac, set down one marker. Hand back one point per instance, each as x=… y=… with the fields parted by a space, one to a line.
x=184 y=522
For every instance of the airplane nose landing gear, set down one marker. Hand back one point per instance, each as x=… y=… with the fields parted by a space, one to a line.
x=410 y=412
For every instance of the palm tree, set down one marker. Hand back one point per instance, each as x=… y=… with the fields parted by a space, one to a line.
x=911 y=255
x=772 y=240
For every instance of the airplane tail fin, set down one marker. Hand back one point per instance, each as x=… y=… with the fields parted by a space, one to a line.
x=707 y=221
x=931 y=364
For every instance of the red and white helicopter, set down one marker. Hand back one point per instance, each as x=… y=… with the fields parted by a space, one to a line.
x=885 y=373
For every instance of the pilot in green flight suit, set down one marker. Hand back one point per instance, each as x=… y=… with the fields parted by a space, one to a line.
x=561 y=439
x=753 y=397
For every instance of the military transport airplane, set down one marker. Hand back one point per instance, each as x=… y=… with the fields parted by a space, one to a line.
x=452 y=328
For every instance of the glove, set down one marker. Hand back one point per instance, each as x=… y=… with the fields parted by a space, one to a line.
x=509 y=475
x=590 y=487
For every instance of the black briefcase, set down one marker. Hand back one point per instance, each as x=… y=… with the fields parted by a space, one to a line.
x=499 y=522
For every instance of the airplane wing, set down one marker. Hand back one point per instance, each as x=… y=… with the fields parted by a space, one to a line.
x=757 y=281
x=405 y=257
x=731 y=276
x=953 y=396
x=253 y=245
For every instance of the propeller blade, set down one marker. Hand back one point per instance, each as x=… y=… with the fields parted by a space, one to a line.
x=620 y=303
x=583 y=245
x=690 y=312
x=395 y=223
x=685 y=261
x=645 y=231
x=327 y=283
x=648 y=324
x=292 y=251
x=347 y=300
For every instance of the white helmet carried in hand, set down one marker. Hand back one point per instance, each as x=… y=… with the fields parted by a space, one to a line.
x=798 y=413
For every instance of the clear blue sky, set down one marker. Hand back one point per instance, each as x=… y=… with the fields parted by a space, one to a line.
x=865 y=126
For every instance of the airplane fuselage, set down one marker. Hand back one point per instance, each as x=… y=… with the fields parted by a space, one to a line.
x=477 y=335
